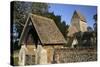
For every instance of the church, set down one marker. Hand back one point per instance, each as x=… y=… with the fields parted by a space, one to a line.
x=78 y=23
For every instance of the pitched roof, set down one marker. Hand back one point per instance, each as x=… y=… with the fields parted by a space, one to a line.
x=73 y=29
x=46 y=29
x=80 y=15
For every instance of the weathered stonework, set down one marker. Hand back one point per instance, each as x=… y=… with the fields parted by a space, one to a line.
x=41 y=36
x=78 y=23
x=67 y=55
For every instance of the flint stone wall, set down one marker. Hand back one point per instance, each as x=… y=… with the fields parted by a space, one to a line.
x=67 y=55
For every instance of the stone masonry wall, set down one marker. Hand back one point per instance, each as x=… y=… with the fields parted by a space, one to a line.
x=66 y=55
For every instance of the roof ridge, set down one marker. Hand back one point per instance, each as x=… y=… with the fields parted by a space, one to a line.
x=43 y=17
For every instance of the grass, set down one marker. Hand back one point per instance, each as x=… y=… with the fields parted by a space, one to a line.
x=15 y=61
x=15 y=57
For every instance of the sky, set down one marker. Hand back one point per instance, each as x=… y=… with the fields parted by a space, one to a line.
x=66 y=12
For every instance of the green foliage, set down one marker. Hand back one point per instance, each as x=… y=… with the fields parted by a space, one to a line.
x=84 y=38
x=95 y=17
x=15 y=46
x=89 y=29
x=22 y=9
x=40 y=8
x=95 y=24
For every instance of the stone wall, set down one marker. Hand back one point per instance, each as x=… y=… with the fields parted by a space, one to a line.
x=67 y=55
x=50 y=51
x=62 y=55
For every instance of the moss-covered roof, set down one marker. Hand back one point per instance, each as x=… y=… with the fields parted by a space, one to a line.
x=46 y=29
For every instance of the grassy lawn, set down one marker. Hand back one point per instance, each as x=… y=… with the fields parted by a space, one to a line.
x=15 y=61
x=15 y=56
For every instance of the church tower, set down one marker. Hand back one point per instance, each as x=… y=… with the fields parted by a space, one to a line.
x=78 y=23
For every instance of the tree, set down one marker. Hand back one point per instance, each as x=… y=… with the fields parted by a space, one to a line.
x=40 y=8
x=95 y=17
x=67 y=27
x=78 y=36
x=87 y=38
x=63 y=28
x=89 y=29
x=95 y=24
x=21 y=11
x=95 y=29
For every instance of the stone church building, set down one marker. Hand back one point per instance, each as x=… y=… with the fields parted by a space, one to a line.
x=78 y=23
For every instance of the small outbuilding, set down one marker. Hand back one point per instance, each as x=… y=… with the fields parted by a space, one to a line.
x=40 y=36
